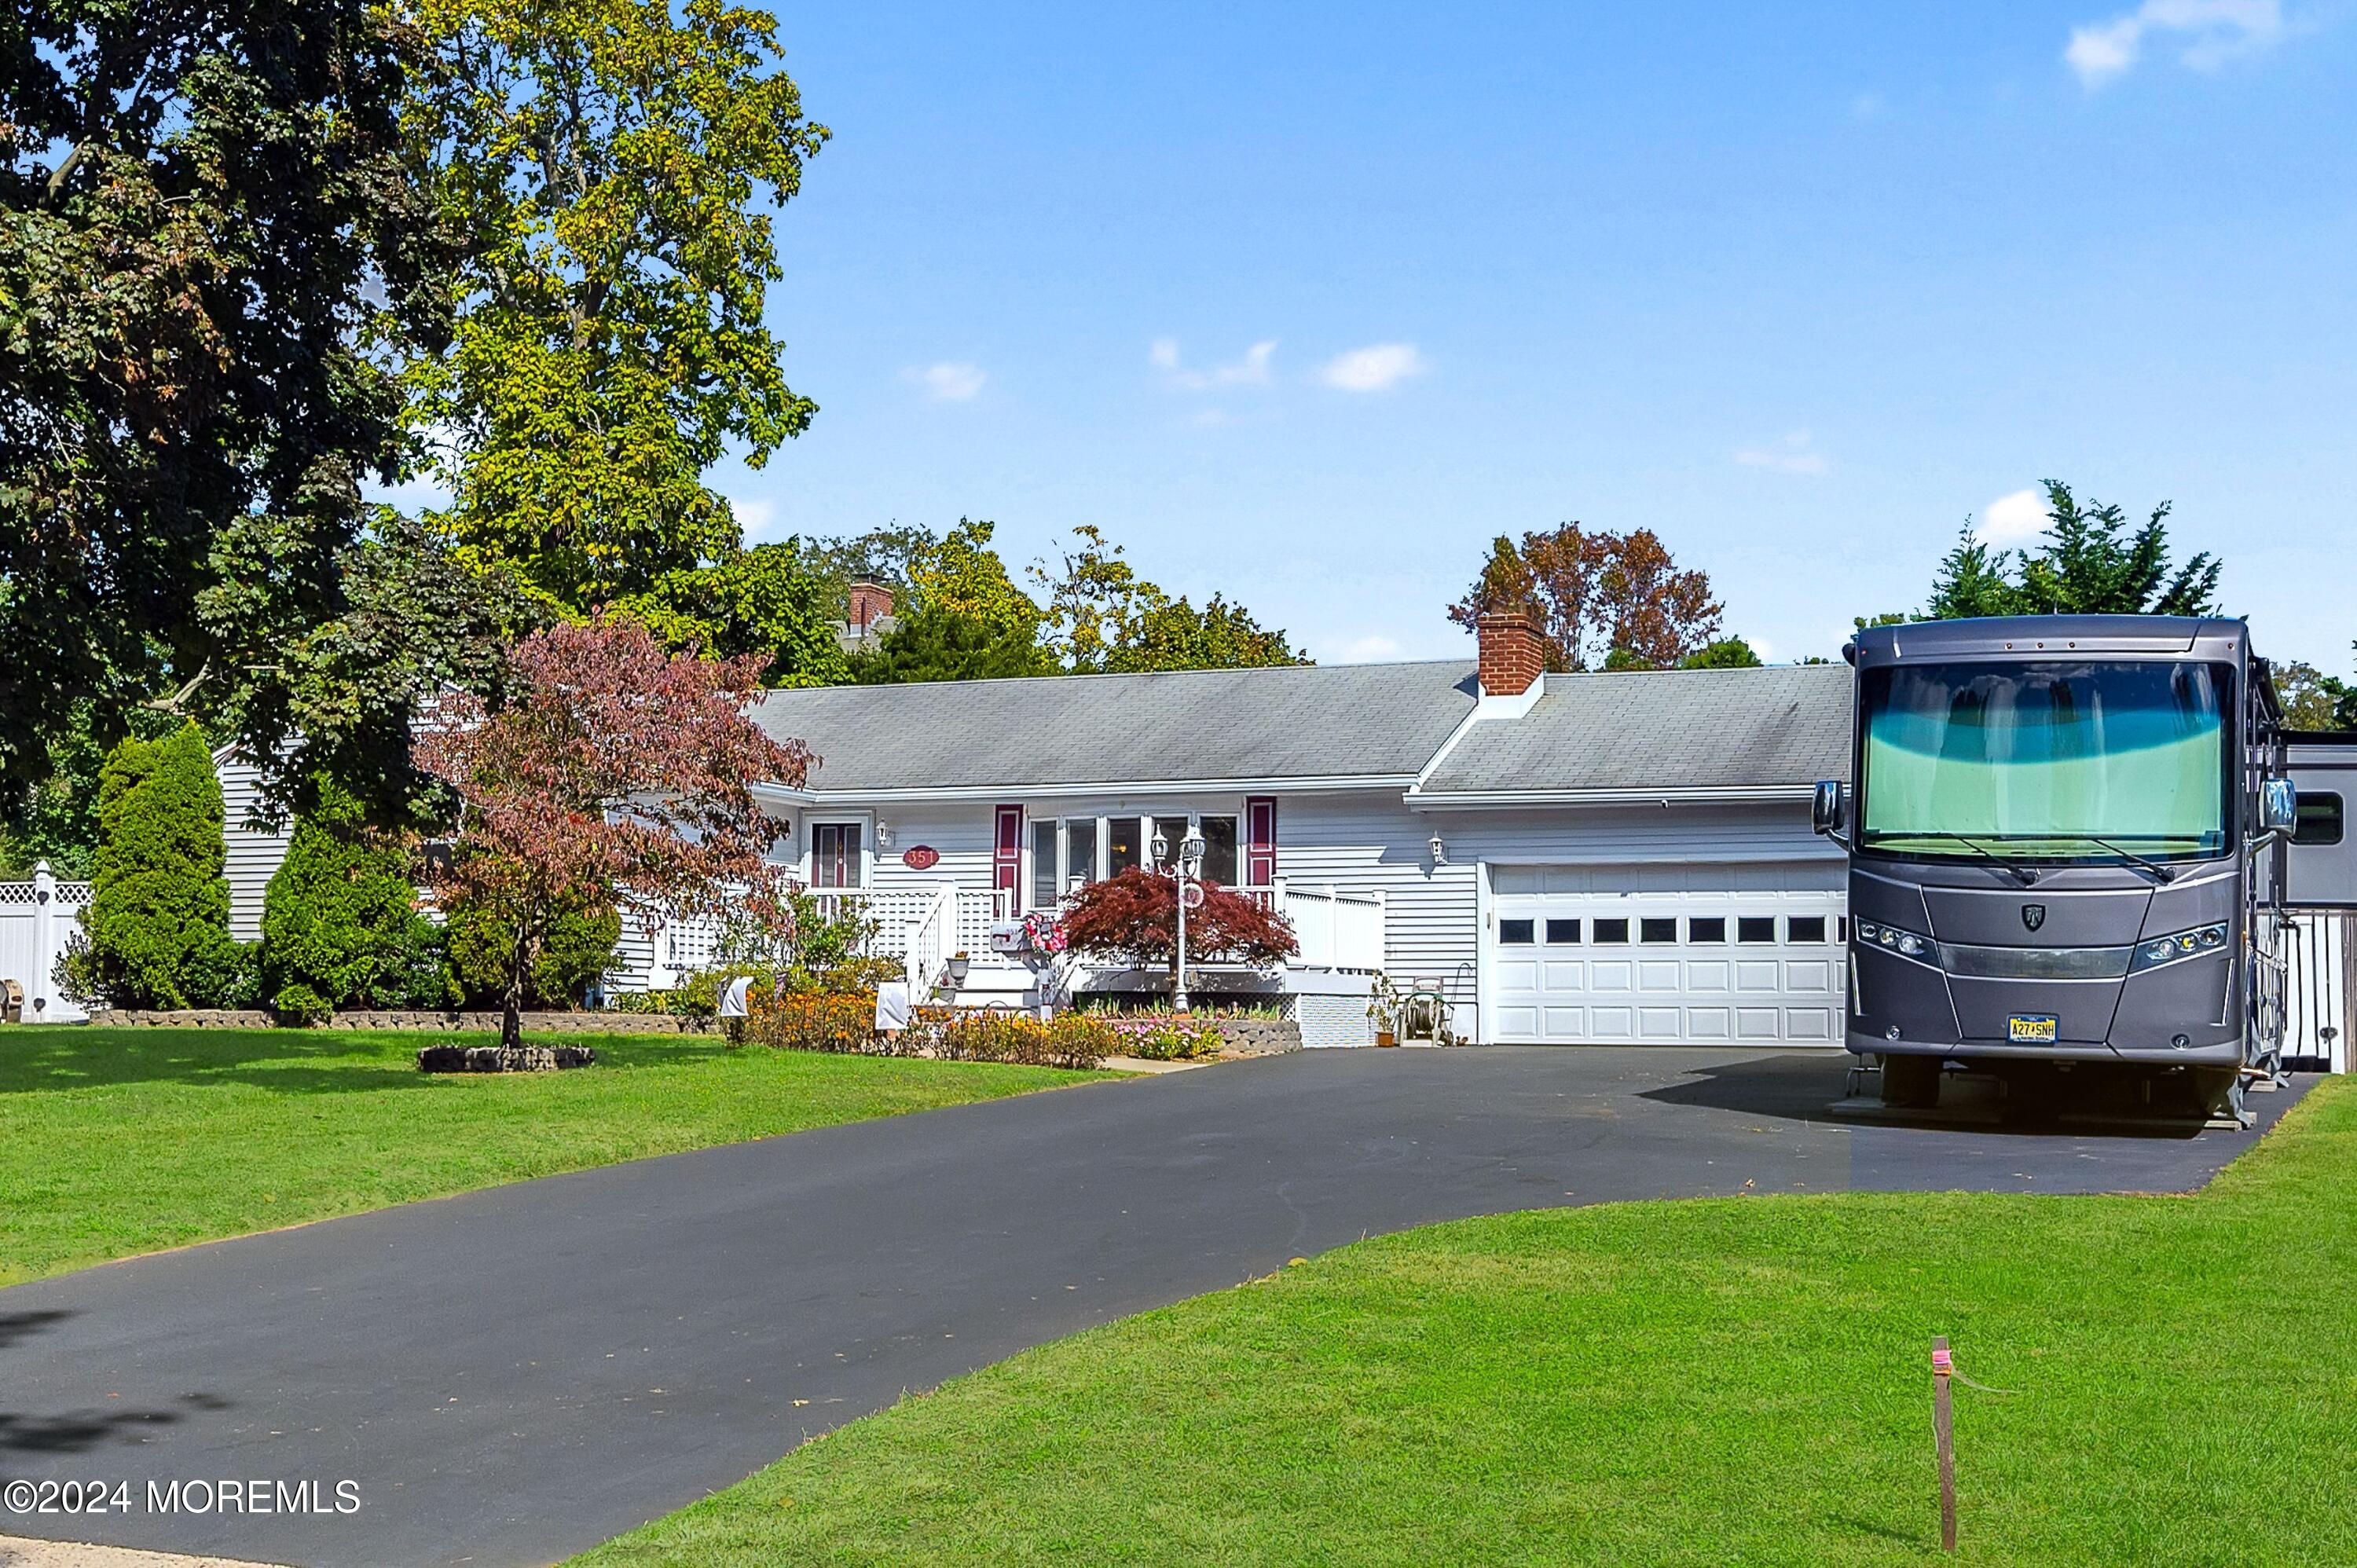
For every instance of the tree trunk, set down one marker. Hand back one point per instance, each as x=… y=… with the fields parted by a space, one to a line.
x=511 y=1005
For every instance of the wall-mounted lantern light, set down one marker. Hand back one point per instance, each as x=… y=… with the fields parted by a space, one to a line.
x=1439 y=848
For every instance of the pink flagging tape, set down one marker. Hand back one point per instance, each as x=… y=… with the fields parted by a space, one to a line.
x=1943 y=1364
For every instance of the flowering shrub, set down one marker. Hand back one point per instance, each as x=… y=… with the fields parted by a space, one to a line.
x=813 y=1022
x=1165 y=1036
x=1043 y=932
x=1072 y=1040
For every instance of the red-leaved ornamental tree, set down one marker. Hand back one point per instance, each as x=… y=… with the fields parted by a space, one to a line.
x=1134 y=916
x=613 y=769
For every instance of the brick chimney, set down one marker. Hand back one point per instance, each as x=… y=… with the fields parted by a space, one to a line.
x=870 y=602
x=1513 y=652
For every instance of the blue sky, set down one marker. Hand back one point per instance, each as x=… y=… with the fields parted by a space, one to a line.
x=1307 y=304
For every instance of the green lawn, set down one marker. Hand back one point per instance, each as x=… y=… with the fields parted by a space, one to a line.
x=122 y=1141
x=1741 y=1380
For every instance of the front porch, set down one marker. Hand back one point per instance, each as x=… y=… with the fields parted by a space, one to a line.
x=928 y=926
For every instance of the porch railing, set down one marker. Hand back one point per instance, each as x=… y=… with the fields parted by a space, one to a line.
x=1338 y=927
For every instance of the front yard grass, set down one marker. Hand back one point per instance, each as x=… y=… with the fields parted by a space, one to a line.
x=115 y=1142
x=1743 y=1381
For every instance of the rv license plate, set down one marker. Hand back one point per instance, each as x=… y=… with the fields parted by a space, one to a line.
x=2032 y=1028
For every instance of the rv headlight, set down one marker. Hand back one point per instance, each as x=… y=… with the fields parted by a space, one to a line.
x=2153 y=951
x=1906 y=944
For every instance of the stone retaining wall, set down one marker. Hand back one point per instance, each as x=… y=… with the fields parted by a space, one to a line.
x=472 y=1023
x=1260 y=1037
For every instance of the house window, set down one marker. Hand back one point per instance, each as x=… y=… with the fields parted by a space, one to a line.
x=1611 y=932
x=1707 y=928
x=1046 y=891
x=1755 y=928
x=1071 y=851
x=1124 y=845
x=835 y=855
x=1516 y=933
x=1080 y=858
x=1563 y=933
x=1661 y=929
x=1806 y=928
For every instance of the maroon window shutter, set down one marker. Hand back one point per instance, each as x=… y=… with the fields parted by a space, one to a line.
x=1260 y=841
x=1006 y=851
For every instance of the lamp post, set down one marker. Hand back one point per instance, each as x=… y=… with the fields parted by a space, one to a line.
x=1191 y=868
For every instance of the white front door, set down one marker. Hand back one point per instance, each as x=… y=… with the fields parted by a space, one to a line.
x=1666 y=955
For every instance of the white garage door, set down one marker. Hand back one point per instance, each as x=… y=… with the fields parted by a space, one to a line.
x=1669 y=955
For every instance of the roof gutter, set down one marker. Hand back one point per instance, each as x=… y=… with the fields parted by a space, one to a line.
x=784 y=795
x=1509 y=800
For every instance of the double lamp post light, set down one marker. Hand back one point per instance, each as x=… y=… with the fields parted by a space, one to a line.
x=1190 y=893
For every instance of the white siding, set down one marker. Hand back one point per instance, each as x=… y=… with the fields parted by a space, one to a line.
x=254 y=855
x=1371 y=839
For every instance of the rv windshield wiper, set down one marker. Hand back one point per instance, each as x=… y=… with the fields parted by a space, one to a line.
x=2161 y=874
x=2026 y=876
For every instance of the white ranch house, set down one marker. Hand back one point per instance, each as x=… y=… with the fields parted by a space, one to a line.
x=1621 y=857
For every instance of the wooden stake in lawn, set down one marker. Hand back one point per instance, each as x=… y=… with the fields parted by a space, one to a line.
x=1943 y=1431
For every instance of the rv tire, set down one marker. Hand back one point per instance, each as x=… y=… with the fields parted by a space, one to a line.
x=1910 y=1082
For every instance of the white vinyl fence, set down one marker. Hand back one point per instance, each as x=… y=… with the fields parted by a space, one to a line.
x=2320 y=991
x=36 y=919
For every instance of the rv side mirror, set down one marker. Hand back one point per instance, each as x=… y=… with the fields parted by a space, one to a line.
x=2278 y=805
x=1827 y=810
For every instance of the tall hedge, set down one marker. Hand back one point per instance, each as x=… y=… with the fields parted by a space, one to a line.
x=577 y=948
x=339 y=921
x=157 y=922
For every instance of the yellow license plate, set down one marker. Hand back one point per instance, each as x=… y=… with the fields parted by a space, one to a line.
x=2032 y=1028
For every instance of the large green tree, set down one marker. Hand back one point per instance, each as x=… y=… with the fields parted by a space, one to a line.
x=2090 y=561
x=199 y=201
x=773 y=600
x=610 y=159
x=933 y=644
x=1101 y=615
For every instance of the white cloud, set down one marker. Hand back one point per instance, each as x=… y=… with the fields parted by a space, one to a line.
x=1795 y=454
x=1250 y=371
x=2216 y=31
x=1379 y=367
x=753 y=515
x=2010 y=518
x=952 y=380
x=1369 y=650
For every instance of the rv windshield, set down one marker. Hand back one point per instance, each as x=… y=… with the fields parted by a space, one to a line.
x=2086 y=762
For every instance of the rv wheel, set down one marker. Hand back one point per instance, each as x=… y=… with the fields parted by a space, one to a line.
x=1910 y=1082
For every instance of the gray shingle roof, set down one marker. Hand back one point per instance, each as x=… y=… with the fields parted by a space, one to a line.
x=1305 y=722
x=1786 y=723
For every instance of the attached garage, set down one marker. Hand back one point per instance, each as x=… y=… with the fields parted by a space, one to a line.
x=1704 y=954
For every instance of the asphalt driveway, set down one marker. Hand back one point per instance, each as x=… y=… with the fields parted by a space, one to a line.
x=512 y=1374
